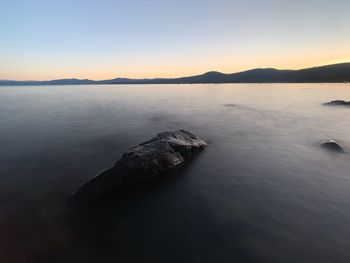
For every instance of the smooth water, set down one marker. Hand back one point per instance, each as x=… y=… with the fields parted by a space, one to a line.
x=262 y=191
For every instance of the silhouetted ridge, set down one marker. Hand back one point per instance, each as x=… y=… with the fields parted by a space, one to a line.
x=329 y=73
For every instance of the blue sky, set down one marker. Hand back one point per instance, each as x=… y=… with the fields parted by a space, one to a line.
x=106 y=39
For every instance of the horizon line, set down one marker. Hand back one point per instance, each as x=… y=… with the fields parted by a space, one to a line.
x=165 y=78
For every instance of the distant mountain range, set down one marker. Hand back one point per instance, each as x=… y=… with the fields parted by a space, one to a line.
x=329 y=73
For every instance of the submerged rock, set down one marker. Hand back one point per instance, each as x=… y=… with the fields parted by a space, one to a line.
x=230 y=105
x=141 y=163
x=338 y=103
x=333 y=145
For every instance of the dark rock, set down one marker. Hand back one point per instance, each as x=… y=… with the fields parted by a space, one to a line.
x=338 y=103
x=332 y=145
x=141 y=163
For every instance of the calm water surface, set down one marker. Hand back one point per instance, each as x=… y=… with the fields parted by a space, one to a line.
x=263 y=191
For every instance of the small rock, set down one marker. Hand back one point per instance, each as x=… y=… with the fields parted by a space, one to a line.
x=141 y=163
x=338 y=103
x=332 y=145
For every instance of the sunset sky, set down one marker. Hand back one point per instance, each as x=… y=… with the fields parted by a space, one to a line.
x=44 y=39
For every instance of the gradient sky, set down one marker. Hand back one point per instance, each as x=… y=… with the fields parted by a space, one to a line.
x=102 y=39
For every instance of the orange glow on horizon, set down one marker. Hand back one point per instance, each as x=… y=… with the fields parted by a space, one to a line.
x=167 y=71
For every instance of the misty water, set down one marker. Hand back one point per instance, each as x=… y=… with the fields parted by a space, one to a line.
x=262 y=191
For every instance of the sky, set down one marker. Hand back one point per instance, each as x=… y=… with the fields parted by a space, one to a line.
x=104 y=39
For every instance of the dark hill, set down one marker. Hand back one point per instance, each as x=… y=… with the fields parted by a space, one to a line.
x=330 y=73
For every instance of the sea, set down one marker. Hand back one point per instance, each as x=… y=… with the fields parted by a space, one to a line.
x=262 y=191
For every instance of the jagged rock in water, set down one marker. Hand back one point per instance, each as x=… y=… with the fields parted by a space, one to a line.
x=338 y=103
x=141 y=163
x=332 y=145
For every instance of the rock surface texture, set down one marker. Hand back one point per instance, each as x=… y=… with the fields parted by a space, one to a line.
x=338 y=103
x=141 y=163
